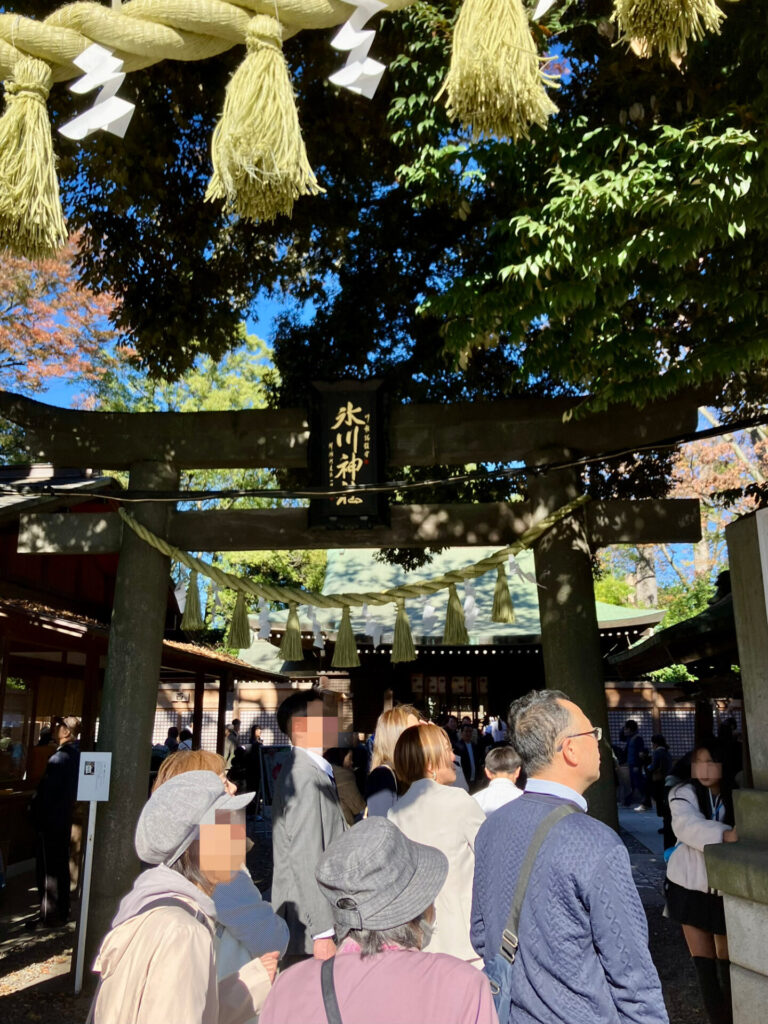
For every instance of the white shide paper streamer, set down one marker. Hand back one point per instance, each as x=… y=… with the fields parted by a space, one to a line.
x=542 y=7
x=428 y=618
x=265 y=630
x=361 y=74
x=515 y=570
x=109 y=113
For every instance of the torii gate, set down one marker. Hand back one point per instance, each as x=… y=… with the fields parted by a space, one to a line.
x=154 y=447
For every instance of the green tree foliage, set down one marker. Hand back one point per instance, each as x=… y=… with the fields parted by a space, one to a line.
x=672 y=675
x=683 y=602
x=613 y=590
x=237 y=381
x=619 y=252
x=629 y=261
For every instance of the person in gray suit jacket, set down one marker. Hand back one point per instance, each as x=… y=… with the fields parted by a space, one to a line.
x=306 y=818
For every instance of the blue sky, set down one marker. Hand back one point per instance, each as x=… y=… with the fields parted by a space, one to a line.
x=62 y=392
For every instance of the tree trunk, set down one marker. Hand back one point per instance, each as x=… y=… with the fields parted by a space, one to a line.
x=646 y=586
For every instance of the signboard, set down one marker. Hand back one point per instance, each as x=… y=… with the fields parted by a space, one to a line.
x=93 y=787
x=347 y=447
x=93 y=776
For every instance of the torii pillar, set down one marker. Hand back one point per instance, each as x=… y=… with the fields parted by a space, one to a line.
x=128 y=700
x=570 y=637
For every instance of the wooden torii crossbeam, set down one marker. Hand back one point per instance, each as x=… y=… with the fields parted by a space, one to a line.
x=154 y=447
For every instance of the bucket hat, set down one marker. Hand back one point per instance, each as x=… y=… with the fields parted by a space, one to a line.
x=376 y=878
x=170 y=818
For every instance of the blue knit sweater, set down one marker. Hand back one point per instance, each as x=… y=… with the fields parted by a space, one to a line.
x=583 y=956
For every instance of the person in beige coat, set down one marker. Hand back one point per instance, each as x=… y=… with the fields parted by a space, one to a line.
x=434 y=812
x=158 y=962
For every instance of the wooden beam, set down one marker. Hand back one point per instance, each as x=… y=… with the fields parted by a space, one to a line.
x=496 y=524
x=197 y=710
x=202 y=440
x=221 y=717
x=660 y=521
x=513 y=430
x=419 y=435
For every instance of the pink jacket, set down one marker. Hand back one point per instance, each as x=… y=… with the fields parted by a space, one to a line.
x=397 y=986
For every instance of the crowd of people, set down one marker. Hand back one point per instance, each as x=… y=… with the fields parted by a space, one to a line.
x=456 y=878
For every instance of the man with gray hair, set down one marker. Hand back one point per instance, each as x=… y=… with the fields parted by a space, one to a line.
x=582 y=952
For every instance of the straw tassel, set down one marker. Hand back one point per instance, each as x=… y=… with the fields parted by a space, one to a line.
x=495 y=84
x=192 y=619
x=659 y=26
x=260 y=164
x=402 y=642
x=31 y=221
x=345 y=654
x=290 y=646
x=455 y=627
x=239 y=635
x=503 y=610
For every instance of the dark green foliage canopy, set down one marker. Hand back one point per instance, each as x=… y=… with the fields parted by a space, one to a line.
x=620 y=253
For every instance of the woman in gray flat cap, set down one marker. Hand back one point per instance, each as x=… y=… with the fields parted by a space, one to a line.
x=158 y=963
x=381 y=887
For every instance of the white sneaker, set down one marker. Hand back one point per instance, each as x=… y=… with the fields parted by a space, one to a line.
x=641 y=807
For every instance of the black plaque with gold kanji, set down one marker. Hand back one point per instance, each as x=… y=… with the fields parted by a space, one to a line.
x=346 y=453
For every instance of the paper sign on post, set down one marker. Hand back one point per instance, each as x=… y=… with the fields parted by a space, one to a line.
x=93 y=778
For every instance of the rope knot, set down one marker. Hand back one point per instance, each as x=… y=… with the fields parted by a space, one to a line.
x=264 y=33
x=31 y=77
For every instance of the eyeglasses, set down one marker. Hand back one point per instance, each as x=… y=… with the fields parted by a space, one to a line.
x=597 y=732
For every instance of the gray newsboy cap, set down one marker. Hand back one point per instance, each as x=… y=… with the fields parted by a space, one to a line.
x=374 y=877
x=170 y=819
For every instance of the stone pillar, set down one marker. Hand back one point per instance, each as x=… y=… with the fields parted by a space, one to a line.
x=129 y=700
x=740 y=870
x=570 y=638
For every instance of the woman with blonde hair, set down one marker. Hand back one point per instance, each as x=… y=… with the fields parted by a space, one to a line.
x=435 y=812
x=381 y=784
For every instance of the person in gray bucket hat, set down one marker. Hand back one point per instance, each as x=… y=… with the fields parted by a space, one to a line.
x=381 y=887
x=158 y=962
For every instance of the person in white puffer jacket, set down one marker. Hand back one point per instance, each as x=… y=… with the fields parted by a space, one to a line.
x=702 y=813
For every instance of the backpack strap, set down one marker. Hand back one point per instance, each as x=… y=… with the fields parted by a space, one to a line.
x=509 y=938
x=330 y=1002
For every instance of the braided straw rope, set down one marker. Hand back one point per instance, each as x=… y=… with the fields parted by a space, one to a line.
x=287 y=595
x=144 y=32
x=260 y=163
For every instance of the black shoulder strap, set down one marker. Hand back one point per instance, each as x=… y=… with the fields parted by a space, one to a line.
x=170 y=901
x=509 y=938
x=330 y=1002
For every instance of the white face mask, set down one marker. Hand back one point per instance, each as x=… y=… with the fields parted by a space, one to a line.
x=428 y=929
